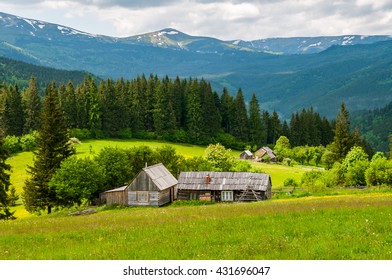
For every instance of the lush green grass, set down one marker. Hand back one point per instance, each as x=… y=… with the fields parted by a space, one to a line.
x=186 y=150
x=341 y=227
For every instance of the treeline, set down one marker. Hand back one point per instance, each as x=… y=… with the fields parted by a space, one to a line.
x=179 y=110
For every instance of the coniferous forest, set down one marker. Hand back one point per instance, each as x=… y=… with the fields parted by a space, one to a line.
x=179 y=110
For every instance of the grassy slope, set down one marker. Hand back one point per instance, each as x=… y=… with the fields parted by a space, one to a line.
x=20 y=161
x=341 y=227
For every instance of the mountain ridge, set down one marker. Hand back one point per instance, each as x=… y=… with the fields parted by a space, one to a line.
x=358 y=74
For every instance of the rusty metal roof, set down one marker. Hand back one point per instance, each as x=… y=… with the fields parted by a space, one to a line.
x=161 y=177
x=223 y=181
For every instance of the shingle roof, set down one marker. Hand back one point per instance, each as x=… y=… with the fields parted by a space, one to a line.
x=161 y=177
x=223 y=181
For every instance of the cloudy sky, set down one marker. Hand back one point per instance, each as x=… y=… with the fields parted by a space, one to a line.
x=233 y=19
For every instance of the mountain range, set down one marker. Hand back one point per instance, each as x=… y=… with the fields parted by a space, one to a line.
x=286 y=74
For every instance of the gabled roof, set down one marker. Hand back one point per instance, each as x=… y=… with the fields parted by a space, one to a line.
x=247 y=152
x=161 y=177
x=268 y=151
x=223 y=181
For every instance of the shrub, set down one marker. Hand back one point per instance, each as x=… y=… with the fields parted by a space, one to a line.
x=12 y=144
x=355 y=175
x=124 y=134
x=27 y=142
x=241 y=166
x=180 y=136
x=81 y=134
x=286 y=161
x=379 y=173
x=219 y=157
x=309 y=178
x=290 y=182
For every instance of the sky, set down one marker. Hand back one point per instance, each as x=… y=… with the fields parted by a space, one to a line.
x=226 y=20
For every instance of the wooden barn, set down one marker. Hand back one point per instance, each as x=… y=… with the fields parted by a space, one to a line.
x=264 y=152
x=246 y=155
x=153 y=186
x=224 y=186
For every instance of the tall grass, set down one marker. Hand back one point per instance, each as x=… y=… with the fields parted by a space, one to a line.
x=341 y=227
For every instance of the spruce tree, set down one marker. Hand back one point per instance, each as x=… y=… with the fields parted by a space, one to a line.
x=52 y=148
x=13 y=112
x=211 y=116
x=295 y=130
x=4 y=180
x=226 y=111
x=32 y=106
x=194 y=117
x=241 y=122
x=275 y=128
x=342 y=141
x=256 y=131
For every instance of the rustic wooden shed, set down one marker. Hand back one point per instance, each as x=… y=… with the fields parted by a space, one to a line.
x=224 y=186
x=116 y=196
x=153 y=186
x=246 y=155
x=263 y=152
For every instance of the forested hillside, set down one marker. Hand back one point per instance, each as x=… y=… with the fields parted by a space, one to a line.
x=375 y=126
x=180 y=110
x=13 y=71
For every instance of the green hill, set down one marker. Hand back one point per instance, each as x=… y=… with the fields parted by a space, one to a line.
x=13 y=71
x=375 y=126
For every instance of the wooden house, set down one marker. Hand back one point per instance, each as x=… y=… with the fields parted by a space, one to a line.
x=153 y=186
x=246 y=155
x=224 y=186
x=264 y=153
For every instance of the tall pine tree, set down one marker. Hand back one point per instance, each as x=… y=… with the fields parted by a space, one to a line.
x=342 y=141
x=13 y=112
x=226 y=109
x=52 y=148
x=4 y=180
x=32 y=106
x=241 y=122
x=256 y=131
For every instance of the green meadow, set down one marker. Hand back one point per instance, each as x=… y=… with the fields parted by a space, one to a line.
x=339 y=224
x=333 y=227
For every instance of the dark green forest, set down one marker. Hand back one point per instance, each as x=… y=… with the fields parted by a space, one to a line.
x=375 y=126
x=14 y=71
x=179 y=110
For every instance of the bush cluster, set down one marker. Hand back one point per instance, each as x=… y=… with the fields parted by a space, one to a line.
x=25 y=143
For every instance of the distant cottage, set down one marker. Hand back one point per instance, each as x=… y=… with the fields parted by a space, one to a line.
x=153 y=186
x=265 y=153
x=246 y=155
x=223 y=186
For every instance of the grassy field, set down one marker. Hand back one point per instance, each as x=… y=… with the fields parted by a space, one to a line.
x=334 y=227
x=20 y=161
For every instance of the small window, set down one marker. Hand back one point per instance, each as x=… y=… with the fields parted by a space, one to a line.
x=142 y=196
x=193 y=196
x=227 y=196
